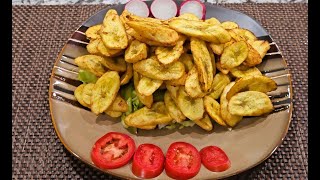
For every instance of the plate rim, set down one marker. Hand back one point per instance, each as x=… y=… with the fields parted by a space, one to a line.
x=248 y=168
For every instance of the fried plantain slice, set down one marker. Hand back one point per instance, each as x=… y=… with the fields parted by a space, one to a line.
x=192 y=84
x=153 y=69
x=125 y=78
x=115 y=64
x=146 y=100
x=105 y=91
x=212 y=21
x=228 y=118
x=93 y=32
x=113 y=34
x=212 y=107
x=92 y=47
x=78 y=95
x=243 y=70
x=222 y=70
x=173 y=91
x=252 y=83
x=155 y=32
x=201 y=30
x=234 y=54
x=220 y=81
x=148 y=117
x=136 y=51
x=148 y=86
x=261 y=46
x=118 y=105
x=87 y=93
x=192 y=108
x=203 y=62
x=205 y=123
x=253 y=58
x=167 y=55
x=217 y=48
x=178 y=82
x=242 y=34
x=229 y=25
x=172 y=108
x=91 y=63
x=103 y=50
x=113 y=114
x=187 y=60
x=250 y=103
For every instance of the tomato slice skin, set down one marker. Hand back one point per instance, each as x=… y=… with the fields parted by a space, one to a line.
x=113 y=150
x=148 y=161
x=182 y=161
x=214 y=159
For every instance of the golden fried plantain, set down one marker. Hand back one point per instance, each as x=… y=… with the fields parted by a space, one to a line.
x=252 y=83
x=203 y=62
x=92 y=47
x=148 y=117
x=78 y=95
x=222 y=70
x=91 y=63
x=243 y=34
x=253 y=58
x=192 y=84
x=125 y=78
x=172 y=108
x=234 y=54
x=250 y=103
x=105 y=91
x=148 y=86
x=228 y=118
x=136 y=51
x=87 y=93
x=167 y=55
x=152 y=68
x=113 y=34
x=220 y=81
x=217 y=48
x=192 y=108
x=212 y=21
x=118 y=105
x=113 y=114
x=229 y=25
x=146 y=100
x=103 y=50
x=187 y=60
x=205 y=123
x=201 y=30
x=242 y=70
x=115 y=64
x=155 y=32
x=178 y=82
x=212 y=107
x=261 y=46
x=93 y=32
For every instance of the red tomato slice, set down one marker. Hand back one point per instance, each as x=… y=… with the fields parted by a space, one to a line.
x=112 y=150
x=182 y=161
x=148 y=161
x=214 y=159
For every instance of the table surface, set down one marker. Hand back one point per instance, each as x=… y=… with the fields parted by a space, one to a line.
x=39 y=33
x=59 y=2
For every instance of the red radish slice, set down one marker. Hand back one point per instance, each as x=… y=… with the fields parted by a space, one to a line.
x=195 y=7
x=138 y=8
x=164 y=9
